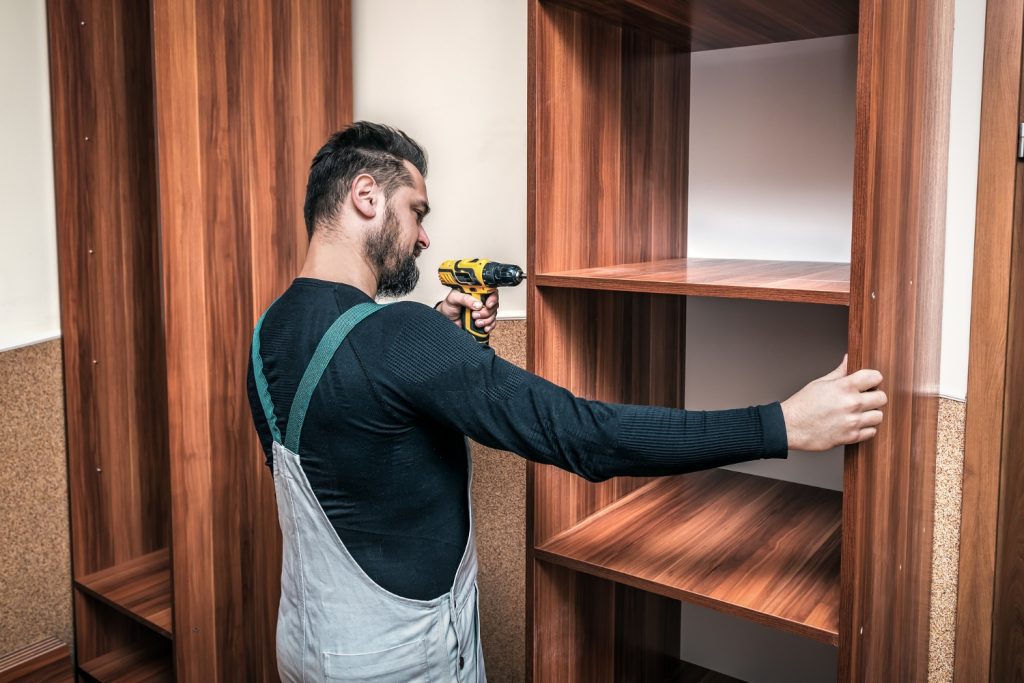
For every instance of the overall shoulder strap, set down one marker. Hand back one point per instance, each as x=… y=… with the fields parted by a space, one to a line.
x=262 y=388
x=325 y=351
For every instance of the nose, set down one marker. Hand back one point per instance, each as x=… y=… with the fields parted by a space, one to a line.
x=422 y=240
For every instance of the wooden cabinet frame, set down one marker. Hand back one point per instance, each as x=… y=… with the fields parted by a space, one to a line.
x=608 y=126
x=182 y=134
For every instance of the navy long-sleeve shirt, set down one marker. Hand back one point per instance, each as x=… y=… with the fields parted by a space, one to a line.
x=382 y=445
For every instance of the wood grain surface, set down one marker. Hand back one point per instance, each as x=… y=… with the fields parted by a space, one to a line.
x=758 y=548
x=903 y=78
x=245 y=95
x=109 y=279
x=615 y=102
x=131 y=664
x=993 y=371
x=47 y=661
x=713 y=24
x=799 y=281
x=140 y=588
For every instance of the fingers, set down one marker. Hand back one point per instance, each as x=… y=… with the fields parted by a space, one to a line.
x=460 y=299
x=865 y=434
x=862 y=380
x=872 y=400
x=871 y=418
x=487 y=316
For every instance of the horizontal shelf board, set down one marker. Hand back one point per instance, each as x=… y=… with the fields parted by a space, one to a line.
x=133 y=664
x=758 y=548
x=696 y=25
x=140 y=588
x=797 y=281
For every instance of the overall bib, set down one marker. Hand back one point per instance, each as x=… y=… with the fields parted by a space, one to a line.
x=334 y=622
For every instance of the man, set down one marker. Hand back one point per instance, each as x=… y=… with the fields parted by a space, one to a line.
x=362 y=410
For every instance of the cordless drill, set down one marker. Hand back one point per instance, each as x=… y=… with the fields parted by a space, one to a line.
x=478 y=277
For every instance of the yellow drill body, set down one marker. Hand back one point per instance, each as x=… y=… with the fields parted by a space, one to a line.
x=478 y=277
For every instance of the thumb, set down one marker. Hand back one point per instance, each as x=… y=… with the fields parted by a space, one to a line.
x=839 y=371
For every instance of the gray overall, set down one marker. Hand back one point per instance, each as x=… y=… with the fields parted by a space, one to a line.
x=334 y=621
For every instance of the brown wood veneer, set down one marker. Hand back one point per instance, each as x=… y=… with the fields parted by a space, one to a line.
x=799 y=281
x=245 y=93
x=110 y=296
x=47 y=661
x=990 y=596
x=714 y=24
x=131 y=664
x=608 y=102
x=140 y=588
x=161 y=285
x=763 y=549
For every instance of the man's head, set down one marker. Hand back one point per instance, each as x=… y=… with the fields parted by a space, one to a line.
x=368 y=180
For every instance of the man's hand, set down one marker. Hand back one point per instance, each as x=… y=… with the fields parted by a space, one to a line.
x=485 y=315
x=835 y=409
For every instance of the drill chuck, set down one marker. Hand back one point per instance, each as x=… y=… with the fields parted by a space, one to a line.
x=502 y=274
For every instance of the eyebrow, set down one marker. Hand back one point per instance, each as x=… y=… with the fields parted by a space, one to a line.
x=422 y=205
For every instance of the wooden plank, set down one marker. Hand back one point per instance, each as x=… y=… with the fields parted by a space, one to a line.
x=991 y=387
x=108 y=267
x=799 y=281
x=695 y=25
x=245 y=95
x=140 y=588
x=47 y=661
x=616 y=103
x=757 y=548
x=903 y=77
x=131 y=664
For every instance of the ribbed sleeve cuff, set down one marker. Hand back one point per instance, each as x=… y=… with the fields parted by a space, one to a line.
x=773 y=429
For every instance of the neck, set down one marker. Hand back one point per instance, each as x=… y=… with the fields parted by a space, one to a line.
x=339 y=259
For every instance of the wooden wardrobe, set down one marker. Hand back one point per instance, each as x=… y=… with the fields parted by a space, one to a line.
x=182 y=134
x=607 y=564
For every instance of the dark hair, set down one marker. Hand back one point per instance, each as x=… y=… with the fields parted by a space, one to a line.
x=362 y=147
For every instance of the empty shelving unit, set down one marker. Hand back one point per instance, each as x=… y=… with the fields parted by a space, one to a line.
x=182 y=132
x=607 y=564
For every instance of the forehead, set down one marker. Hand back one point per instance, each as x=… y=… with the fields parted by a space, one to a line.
x=418 y=190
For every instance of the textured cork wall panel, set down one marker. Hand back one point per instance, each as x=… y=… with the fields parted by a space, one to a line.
x=949 y=467
x=35 y=564
x=499 y=503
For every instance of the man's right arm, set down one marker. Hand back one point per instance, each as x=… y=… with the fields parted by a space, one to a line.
x=433 y=370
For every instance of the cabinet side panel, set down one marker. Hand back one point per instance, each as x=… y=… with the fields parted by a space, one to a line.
x=246 y=94
x=109 y=279
x=895 y=305
x=608 y=143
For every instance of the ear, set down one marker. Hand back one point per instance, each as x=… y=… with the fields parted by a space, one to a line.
x=366 y=195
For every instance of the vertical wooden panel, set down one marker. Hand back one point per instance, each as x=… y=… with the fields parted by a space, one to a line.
x=245 y=93
x=608 y=126
x=895 y=298
x=992 y=383
x=109 y=278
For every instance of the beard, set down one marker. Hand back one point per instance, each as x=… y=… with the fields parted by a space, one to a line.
x=397 y=273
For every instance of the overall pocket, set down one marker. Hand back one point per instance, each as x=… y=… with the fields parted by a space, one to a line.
x=400 y=664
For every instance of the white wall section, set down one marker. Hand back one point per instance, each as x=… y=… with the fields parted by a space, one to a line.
x=29 y=304
x=452 y=74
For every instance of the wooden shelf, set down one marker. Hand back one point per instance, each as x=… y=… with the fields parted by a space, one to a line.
x=131 y=665
x=695 y=25
x=798 y=281
x=753 y=547
x=140 y=588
